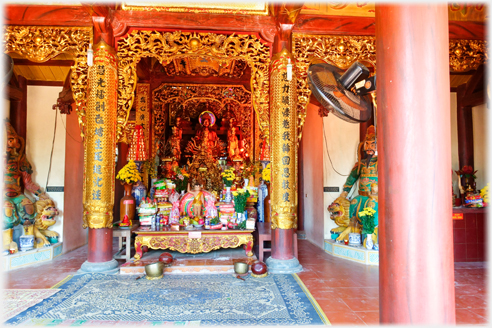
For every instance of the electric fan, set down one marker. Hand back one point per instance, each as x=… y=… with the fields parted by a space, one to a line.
x=343 y=95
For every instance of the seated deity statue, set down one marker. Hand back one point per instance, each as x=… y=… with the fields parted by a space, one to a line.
x=366 y=171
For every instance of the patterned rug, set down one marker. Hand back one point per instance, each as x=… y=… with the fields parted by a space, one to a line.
x=17 y=300
x=180 y=299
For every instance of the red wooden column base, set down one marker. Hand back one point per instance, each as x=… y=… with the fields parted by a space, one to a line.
x=100 y=252
x=283 y=259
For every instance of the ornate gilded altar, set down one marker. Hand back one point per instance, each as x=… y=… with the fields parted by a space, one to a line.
x=200 y=241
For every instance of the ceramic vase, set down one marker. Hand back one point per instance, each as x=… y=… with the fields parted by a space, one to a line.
x=242 y=216
x=267 y=209
x=26 y=242
x=369 y=242
x=139 y=192
x=228 y=195
x=354 y=239
x=127 y=203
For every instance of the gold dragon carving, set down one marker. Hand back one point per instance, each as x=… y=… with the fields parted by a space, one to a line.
x=42 y=43
x=183 y=244
x=167 y=46
x=340 y=51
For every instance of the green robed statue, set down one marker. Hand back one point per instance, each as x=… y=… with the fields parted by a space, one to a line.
x=344 y=212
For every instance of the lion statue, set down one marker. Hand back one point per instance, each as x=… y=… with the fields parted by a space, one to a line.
x=45 y=218
x=339 y=212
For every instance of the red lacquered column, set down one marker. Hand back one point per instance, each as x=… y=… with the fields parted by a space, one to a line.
x=416 y=272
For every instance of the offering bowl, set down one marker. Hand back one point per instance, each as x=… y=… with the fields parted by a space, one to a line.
x=241 y=267
x=154 y=270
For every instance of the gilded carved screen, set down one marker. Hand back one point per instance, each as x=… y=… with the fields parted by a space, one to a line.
x=187 y=101
x=167 y=46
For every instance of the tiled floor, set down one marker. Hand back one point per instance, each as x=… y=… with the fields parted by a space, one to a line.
x=347 y=292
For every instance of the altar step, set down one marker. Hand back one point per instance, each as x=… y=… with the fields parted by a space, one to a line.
x=219 y=261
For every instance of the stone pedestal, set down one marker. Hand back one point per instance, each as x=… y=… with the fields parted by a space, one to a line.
x=283 y=266
x=110 y=267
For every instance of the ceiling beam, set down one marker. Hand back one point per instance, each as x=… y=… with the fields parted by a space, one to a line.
x=41 y=15
x=475 y=81
x=45 y=83
x=27 y=62
x=473 y=100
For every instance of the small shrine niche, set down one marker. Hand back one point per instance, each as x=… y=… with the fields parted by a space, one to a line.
x=202 y=127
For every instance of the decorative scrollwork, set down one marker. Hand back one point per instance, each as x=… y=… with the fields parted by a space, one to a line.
x=42 y=43
x=465 y=55
x=167 y=46
x=341 y=51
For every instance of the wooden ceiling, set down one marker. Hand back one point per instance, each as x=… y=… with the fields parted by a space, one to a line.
x=54 y=71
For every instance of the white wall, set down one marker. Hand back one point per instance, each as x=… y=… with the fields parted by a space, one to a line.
x=455 y=162
x=480 y=144
x=40 y=127
x=342 y=139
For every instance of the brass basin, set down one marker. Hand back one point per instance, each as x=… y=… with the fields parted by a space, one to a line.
x=154 y=270
x=241 y=267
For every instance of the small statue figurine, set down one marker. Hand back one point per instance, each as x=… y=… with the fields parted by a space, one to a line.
x=211 y=210
x=174 y=215
x=198 y=200
x=126 y=222
x=175 y=142
x=233 y=142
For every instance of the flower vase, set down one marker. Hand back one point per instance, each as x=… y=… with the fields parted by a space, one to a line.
x=127 y=203
x=267 y=209
x=139 y=192
x=369 y=243
x=228 y=195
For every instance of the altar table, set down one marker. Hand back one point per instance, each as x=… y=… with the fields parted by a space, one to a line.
x=192 y=241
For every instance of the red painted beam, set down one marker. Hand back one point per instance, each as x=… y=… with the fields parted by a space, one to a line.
x=464 y=122
x=335 y=25
x=351 y=25
x=46 y=83
x=27 y=62
x=416 y=267
x=190 y=21
x=18 y=110
x=46 y=15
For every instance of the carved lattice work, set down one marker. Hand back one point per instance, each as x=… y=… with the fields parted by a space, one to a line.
x=42 y=43
x=466 y=55
x=340 y=51
x=167 y=46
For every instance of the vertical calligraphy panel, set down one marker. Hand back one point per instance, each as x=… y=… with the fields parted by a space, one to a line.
x=283 y=120
x=142 y=105
x=100 y=141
